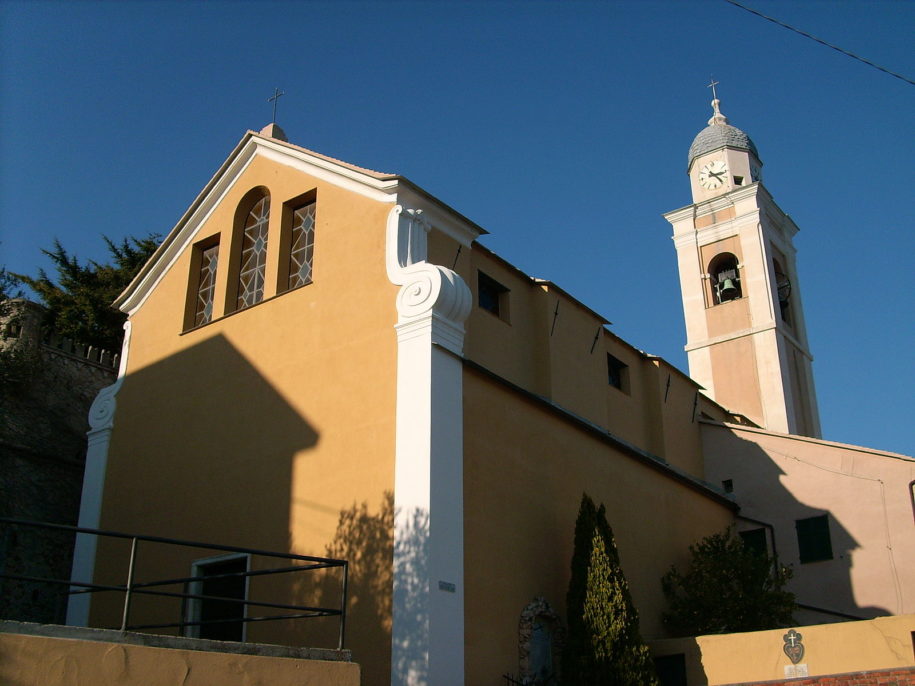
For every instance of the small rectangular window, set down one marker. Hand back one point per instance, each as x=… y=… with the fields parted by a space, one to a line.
x=298 y=224
x=813 y=541
x=302 y=245
x=202 y=283
x=220 y=615
x=728 y=485
x=617 y=373
x=755 y=540
x=671 y=669
x=492 y=296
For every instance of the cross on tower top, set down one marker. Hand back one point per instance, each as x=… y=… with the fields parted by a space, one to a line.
x=712 y=86
x=277 y=93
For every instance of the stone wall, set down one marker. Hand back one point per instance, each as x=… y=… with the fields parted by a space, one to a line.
x=48 y=386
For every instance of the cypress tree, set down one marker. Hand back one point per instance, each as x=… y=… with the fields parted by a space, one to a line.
x=79 y=304
x=604 y=646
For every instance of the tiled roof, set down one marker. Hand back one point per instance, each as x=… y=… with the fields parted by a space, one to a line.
x=718 y=135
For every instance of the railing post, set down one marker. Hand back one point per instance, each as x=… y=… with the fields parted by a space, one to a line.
x=343 y=605
x=129 y=592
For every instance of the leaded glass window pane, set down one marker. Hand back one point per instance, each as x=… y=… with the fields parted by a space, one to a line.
x=254 y=255
x=206 y=285
x=302 y=245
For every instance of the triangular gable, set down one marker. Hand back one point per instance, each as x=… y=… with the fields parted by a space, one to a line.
x=379 y=186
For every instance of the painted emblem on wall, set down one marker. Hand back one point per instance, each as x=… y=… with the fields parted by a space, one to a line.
x=793 y=647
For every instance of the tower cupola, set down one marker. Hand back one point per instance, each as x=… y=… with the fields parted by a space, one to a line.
x=721 y=158
x=719 y=134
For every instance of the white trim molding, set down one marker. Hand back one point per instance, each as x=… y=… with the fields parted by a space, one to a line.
x=101 y=422
x=427 y=634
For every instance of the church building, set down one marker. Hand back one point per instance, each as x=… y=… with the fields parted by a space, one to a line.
x=324 y=360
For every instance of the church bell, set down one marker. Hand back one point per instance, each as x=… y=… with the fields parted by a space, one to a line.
x=728 y=290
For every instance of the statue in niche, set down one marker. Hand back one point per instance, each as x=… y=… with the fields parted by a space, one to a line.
x=540 y=639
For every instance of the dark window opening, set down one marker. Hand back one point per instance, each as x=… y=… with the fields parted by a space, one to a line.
x=617 y=373
x=782 y=291
x=671 y=669
x=755 y=540
x=728 y=485
x=222 y=619
x=738 y=180
x=492 y=296
x=813 y=541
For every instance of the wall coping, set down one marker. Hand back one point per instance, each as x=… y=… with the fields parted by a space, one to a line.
x=850 y=678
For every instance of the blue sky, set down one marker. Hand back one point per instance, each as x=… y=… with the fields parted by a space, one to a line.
x=561 y=127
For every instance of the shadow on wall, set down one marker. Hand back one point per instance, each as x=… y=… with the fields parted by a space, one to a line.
x=411 y=598
x=365 y=539
x=819 y=550
x=202 y=449
x=809 y=536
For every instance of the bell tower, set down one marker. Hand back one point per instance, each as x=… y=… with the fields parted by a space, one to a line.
x=746 y=337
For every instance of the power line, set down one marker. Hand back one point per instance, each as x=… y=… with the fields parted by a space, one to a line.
x=821 y=41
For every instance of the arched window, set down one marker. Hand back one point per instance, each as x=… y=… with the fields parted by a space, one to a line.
x=725 y=278
x=253 y=260
x=782 y=290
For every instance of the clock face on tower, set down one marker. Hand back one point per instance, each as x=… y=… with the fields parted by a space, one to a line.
x=713 y=174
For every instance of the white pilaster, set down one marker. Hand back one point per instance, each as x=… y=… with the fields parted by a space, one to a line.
x=101 y=422
x=428 y=610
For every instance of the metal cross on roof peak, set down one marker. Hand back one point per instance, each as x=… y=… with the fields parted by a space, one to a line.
x=277 y=93
x=712 y=86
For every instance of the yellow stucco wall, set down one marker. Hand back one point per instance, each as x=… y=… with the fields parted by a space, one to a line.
x=553 y=353
x=43 y=661
x=526 y=467
x=260 y=428
x=882 y=643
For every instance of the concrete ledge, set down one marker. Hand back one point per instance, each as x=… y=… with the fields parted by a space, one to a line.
x=49 y=655
x=174 y=642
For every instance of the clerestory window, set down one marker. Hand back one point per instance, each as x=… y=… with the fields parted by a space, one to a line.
x=617 y=373
x=492 y=296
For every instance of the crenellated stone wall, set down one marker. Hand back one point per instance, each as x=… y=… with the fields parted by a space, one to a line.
x=49 y=382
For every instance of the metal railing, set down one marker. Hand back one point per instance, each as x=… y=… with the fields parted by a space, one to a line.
x=299 y=564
